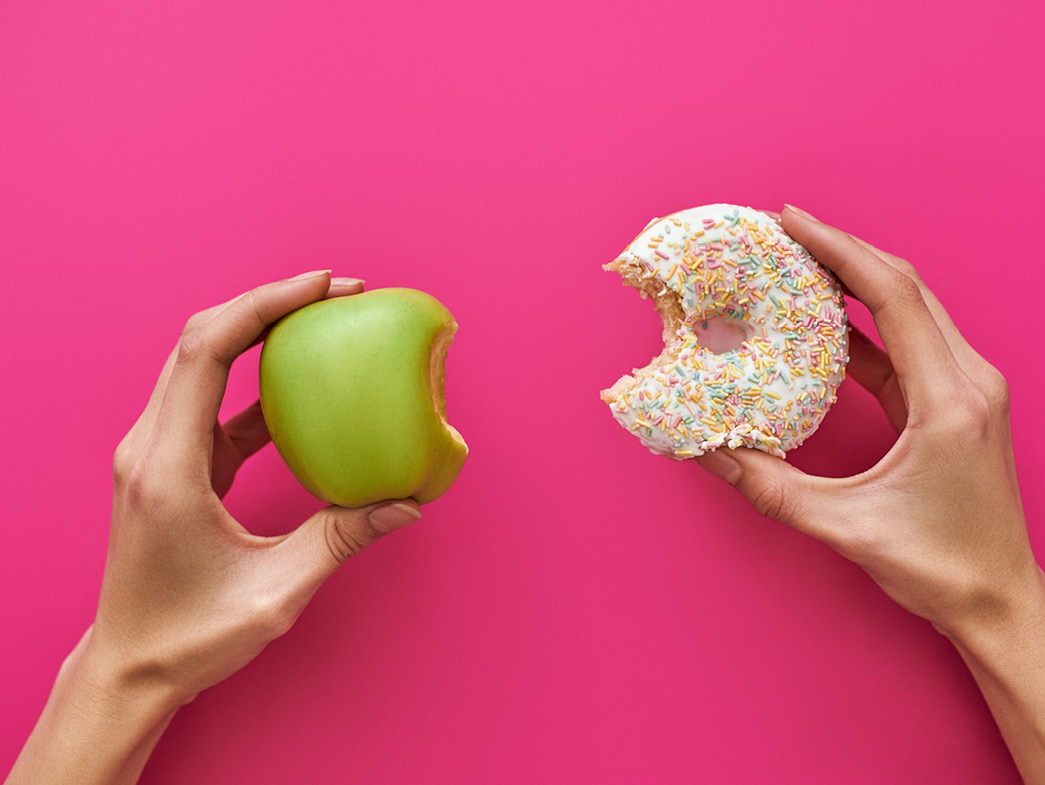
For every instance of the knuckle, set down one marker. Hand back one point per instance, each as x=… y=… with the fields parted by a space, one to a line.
x=195 y=323
x=344 y=539
x=142 y=485
x=976 y=407
x=193 y=341
x=996 y=388
x=907 y=269
x=969 y=415
x=138 y=491
x=270 y=617
x=906 y=288
x=860 y=541
x=774 y=501
x=123 y=459
x=253 y=304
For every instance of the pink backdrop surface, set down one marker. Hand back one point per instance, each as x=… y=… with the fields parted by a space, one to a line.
x=575 y=609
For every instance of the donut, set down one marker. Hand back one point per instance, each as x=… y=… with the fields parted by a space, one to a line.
x=755 y=340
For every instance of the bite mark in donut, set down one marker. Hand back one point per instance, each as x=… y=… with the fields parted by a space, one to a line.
x=755 y=341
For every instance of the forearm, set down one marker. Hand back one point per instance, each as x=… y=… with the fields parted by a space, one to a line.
x=1007 y=659
x=94 y=729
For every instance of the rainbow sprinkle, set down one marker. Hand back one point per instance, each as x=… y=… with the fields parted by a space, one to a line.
x=734 y=268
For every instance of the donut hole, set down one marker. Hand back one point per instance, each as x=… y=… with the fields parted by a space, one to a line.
x=720 y=334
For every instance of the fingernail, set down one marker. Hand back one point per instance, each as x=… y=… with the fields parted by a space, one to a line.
x=393 y=516
x=722 y=465
x=342 y=286
x=800 y=213
x=312 y=274
x=346 y=281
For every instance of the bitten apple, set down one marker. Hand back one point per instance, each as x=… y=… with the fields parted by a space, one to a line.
x=352 y=392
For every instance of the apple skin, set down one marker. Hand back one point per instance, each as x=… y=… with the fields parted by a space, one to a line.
x=352 y=393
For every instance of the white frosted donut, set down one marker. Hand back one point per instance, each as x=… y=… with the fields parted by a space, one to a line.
x=755 y=341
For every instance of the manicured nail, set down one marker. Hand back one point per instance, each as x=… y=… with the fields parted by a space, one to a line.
x=346 y=281
x=722 y=465
x=393 y=516
x=312 y=274
x=800 y=213
x=341 y=287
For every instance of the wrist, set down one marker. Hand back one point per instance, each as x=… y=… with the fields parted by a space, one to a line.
x=112 y=688
x=1006 y=657
x=99 y=725
x=1011 y=619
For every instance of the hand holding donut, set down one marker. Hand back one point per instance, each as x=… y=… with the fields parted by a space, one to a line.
x=938 y=522
x=189 y=596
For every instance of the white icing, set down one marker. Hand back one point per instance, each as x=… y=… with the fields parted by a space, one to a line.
x=738 y=270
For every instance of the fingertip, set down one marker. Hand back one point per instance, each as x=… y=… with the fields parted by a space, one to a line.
x=312 y=286
x=394 y=515
x=341 y=286
x=810 y=232
x=741 y=464
x=721 y=464
x=790 y=209
x=775 y=488
x=309 y=275
x=752 y=461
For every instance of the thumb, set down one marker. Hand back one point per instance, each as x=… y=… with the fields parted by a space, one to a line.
x=775 y=488
x=334 y=534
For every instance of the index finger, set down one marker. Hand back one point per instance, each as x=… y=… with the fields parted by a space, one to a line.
x=968 y=358
x=210 y=343
x=916 y=345
x=339 y=287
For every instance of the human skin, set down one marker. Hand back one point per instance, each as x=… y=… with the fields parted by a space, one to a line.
x=189 y=596
x=938 y=523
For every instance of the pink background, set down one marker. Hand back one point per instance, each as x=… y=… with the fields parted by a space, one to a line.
x=575 y=610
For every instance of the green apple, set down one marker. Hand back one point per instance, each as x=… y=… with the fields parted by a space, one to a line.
x=352 y=392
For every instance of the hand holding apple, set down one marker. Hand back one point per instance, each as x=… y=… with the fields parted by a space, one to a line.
x=189 y=595
x=352 y=392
